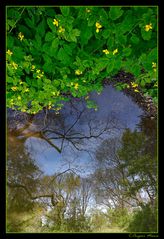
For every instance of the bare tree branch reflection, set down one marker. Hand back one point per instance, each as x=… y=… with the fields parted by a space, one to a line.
x=57 y=129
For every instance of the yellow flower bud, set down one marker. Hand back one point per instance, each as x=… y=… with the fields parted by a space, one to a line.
x=148 y=27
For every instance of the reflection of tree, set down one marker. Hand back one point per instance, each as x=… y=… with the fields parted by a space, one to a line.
x=140 y=163
x=109 y=174
x=57 y=131
x=127 y=169
x=29 y=189
x=73 y=194
x=21 y=170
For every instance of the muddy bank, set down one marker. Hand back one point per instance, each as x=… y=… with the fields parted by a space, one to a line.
x=144 y=102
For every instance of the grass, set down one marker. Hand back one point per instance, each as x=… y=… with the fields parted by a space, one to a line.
x=110 y=230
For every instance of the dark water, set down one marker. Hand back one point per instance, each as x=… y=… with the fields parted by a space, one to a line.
x=71 y=141
x=115 y=113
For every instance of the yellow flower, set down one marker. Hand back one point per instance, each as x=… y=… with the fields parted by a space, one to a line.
x=134 y=85
x=14 y=65
x=106 y=51
x=136 y=90
x=26 y=90
x=148 y=27
x=98 y=26
x=61 y=30
x=154 y=65
x=39 y=75
x=32 y=68
x=9 y=52
x=78 y=72
x=49 y=107
x=76 y=86
x=56 y=23
x=88 y=10
x=38 y=71
x=14 y=88
x=115 y=51
x=156 y=84
x=20 y=36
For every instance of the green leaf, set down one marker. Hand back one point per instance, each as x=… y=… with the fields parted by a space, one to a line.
x=106 y=33
x=10 y=42
x=29 y=22
x=74 y=34
x=55 y=43
x=41 y=28
x=40 y=84
x=146 y=35
x=38 y=42
x=50 y=24
x=136 y=70
x=127 y=51
x=117 y=64
x=102 y=63
x=53 y=52
x=48 y=67
x=11 y=22
x=68 y=49
x=86 y=33
x=103 y=16
x=46 y=47
x=47 y=59
x=65 y=11
x=115 y=12
x=91 y=20
x=121 y=39
x=25 y=30
x=152 y=56
x=110 y=67
x=18 y=53
x=49 y=36
x=134 y=39
x=63 y=56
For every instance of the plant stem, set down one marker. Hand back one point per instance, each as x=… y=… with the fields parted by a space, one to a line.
x=17 y=20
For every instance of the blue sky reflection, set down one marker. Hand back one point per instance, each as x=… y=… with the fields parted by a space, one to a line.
x=113 y=105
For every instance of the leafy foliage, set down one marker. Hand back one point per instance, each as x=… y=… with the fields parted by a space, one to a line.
x=144 y=220
x=55 y=52
x=119 y=217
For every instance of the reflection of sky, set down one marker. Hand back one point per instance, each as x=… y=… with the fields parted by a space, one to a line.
x=111 y=103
